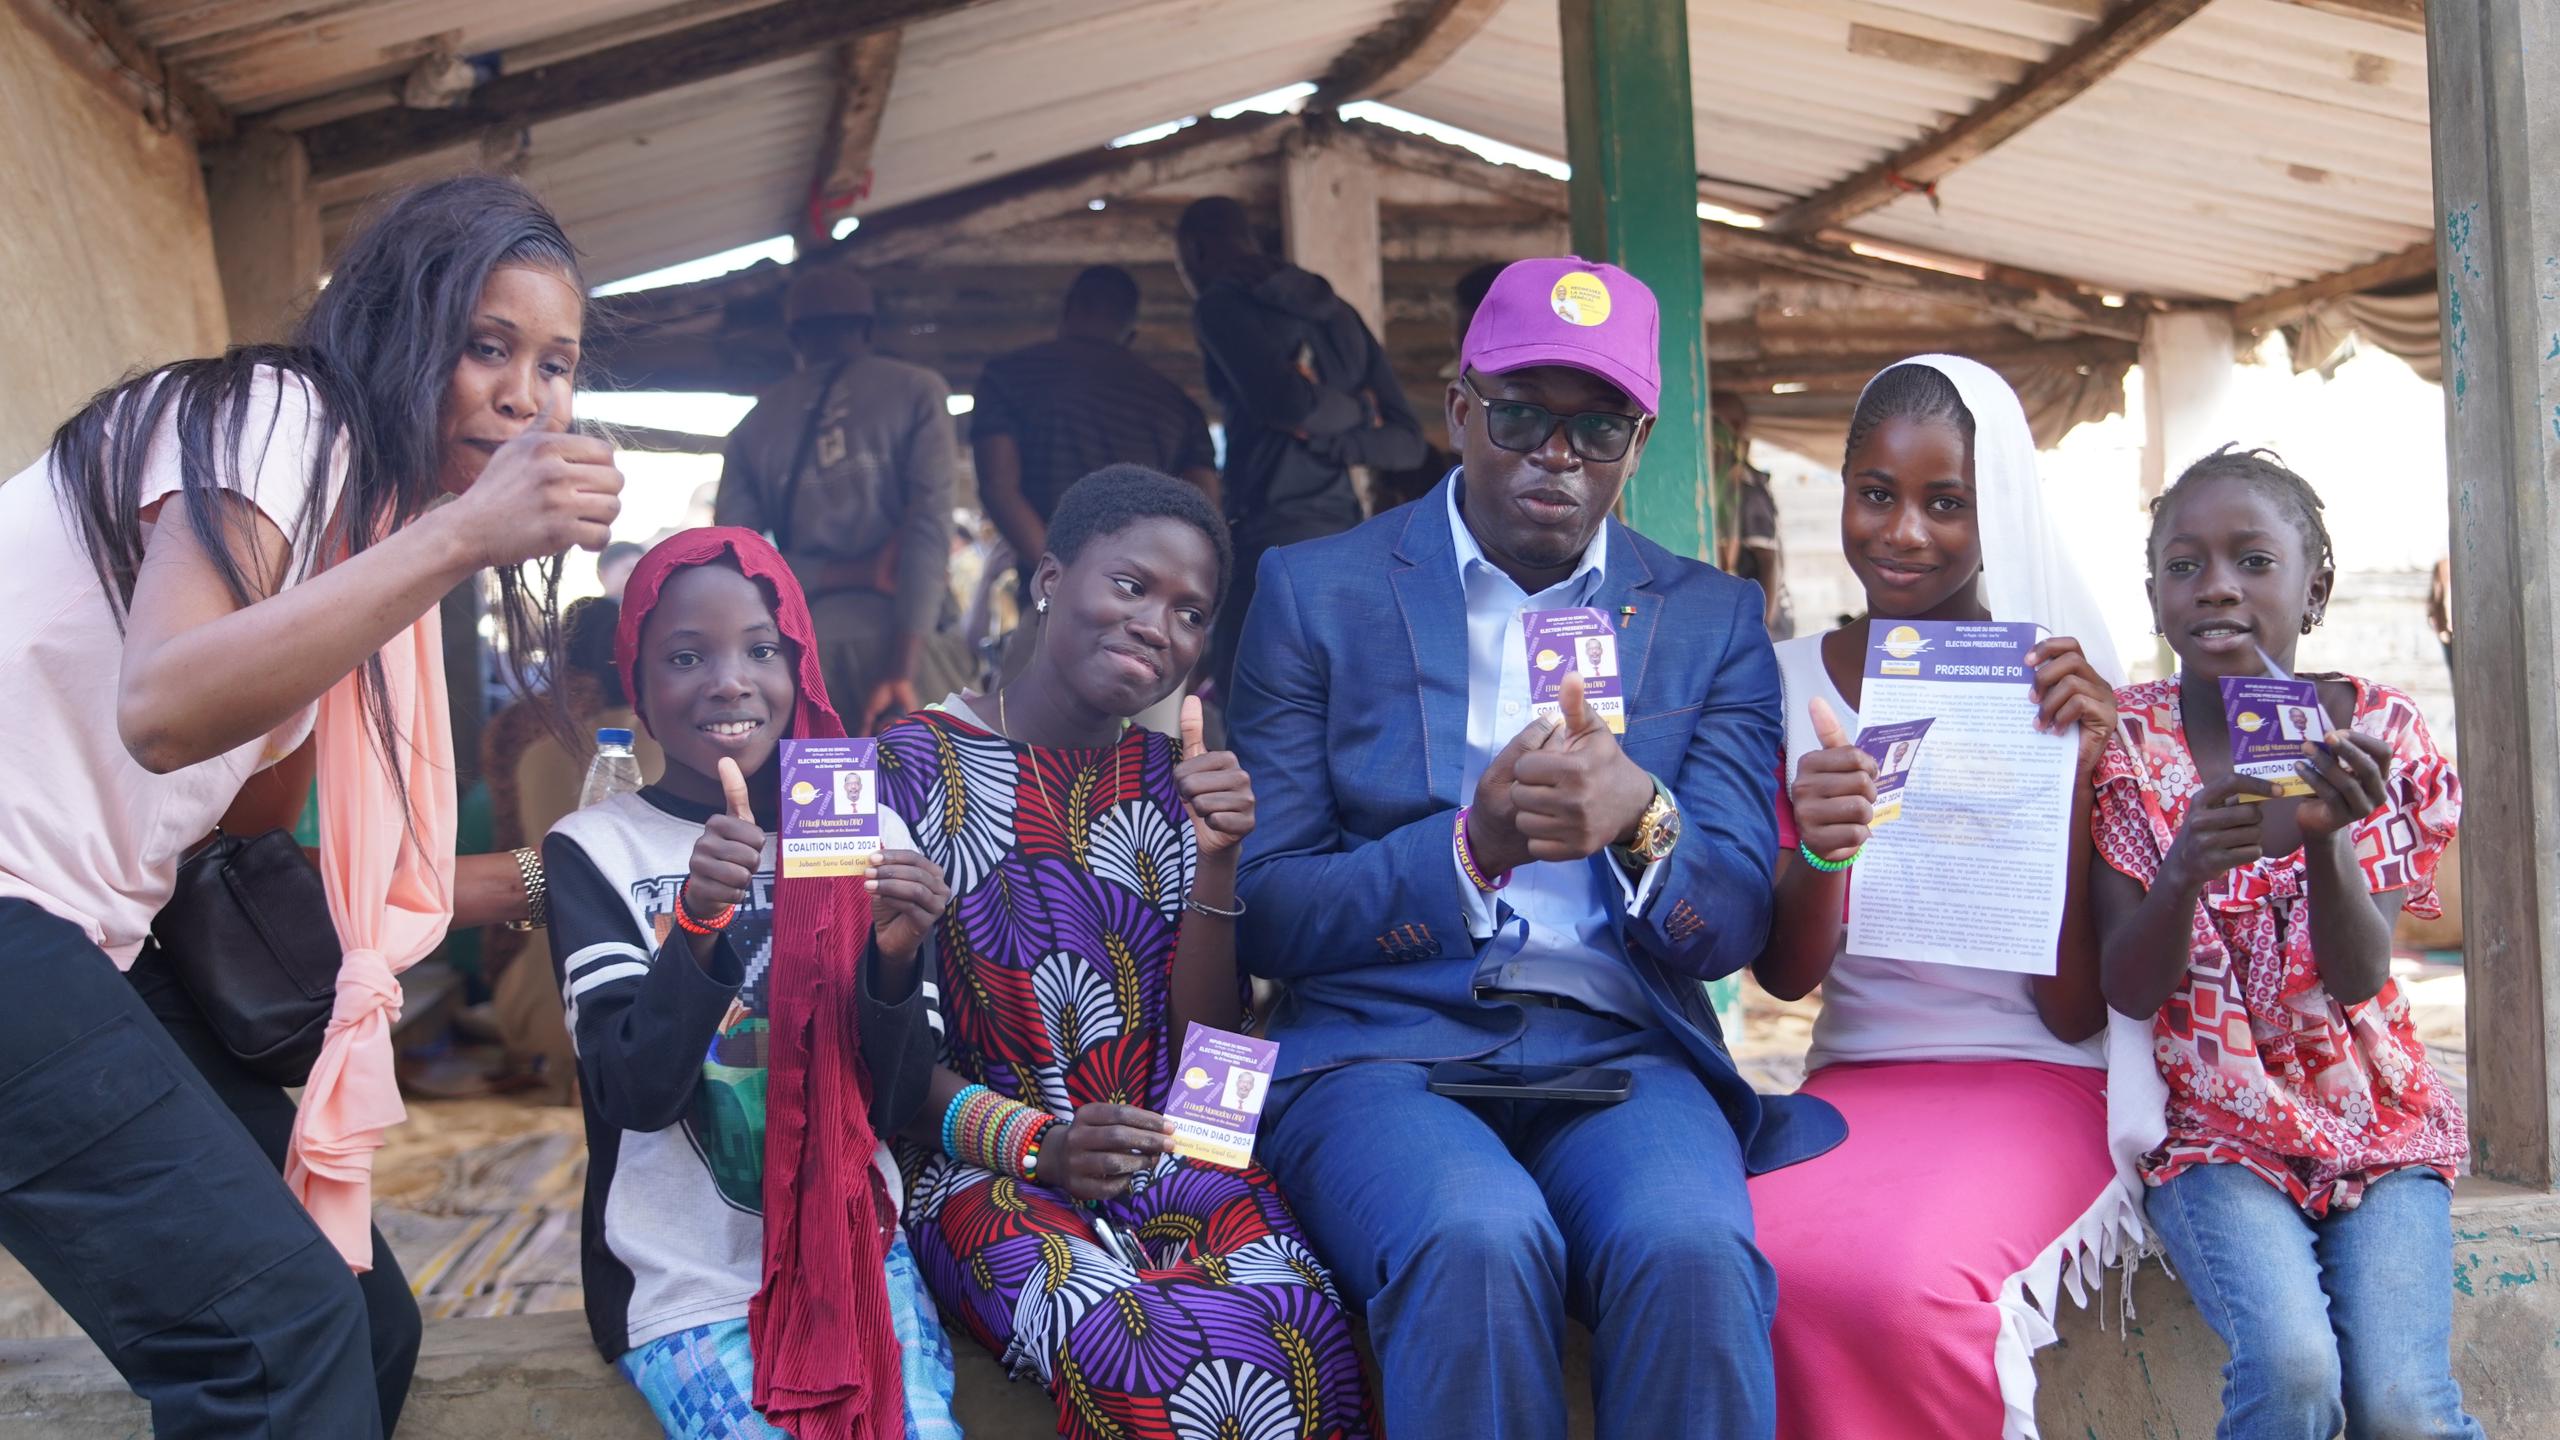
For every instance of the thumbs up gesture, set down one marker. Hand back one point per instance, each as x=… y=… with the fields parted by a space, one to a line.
x=1214 y=788
x=1835 y=791
x=1578 y=793
x=725 y=858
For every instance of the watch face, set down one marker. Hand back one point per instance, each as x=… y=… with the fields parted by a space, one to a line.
x=1666 y=832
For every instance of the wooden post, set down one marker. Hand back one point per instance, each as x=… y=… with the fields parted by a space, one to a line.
x=1631 y=138
x=2493 y=69
x=1329 y=212
x=266 y=232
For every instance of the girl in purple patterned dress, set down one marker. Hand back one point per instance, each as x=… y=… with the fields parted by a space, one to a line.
x=1092 y=869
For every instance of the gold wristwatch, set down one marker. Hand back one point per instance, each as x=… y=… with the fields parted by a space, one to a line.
x=1657 y=830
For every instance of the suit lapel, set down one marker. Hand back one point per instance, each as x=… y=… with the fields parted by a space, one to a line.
x=1632 y=607
x=1434 y=605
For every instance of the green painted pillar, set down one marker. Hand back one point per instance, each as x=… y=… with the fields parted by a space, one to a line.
x=1633 y=146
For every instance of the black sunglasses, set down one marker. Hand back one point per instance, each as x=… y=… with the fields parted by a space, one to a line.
x=1600 y=436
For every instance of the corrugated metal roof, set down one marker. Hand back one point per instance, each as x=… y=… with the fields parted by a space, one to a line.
x=979 y=93
x=2258 y=145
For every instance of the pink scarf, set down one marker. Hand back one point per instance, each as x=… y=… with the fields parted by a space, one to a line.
x=389 y=871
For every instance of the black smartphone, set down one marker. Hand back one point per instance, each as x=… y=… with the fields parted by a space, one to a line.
x=1581 y=1084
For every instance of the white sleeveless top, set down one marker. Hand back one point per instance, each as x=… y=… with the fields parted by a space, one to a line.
x=1878 y=1009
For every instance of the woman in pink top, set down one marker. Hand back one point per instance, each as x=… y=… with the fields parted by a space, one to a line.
x=200 y=559
x=1921 y=1263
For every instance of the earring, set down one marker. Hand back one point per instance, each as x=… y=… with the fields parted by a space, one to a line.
x=2310 y=623
x=1041 y=606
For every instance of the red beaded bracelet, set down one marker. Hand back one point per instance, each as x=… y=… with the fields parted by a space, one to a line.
x=691 y=926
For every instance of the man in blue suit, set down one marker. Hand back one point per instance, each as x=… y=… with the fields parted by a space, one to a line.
x=1437 y=875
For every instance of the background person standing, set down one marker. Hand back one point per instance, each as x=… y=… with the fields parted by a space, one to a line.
x=848 y=466
x=1306 y=390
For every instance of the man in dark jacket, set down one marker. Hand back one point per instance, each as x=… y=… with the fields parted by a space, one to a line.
x=1306 y=391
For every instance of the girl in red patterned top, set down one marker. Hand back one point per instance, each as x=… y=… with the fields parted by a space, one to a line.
x=2302 y=1185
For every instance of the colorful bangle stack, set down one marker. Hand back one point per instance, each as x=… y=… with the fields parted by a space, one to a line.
x=1828 y=867
x=988 y=1130
x=1467 y=859
x=712 y=926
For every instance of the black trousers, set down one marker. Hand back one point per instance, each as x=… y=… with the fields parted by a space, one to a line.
x=392 y=1325
x=146 y=1209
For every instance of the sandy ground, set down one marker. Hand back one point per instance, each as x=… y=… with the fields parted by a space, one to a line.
x=480 y=1196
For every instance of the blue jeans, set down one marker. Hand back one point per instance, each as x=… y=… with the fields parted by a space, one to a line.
x=2345 y=1320
x=1468 y=1231
x=700 y=1383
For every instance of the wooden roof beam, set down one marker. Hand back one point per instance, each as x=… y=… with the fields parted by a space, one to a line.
x=1397 y=55
x=866 y=69
x=2278 y=307
x=922 y=228
x=2127 y=31
x=606 y=77
x=2404 y=15
x=2045 y=309
x=136 y=70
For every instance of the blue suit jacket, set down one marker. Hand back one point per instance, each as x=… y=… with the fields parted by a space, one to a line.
x=1350 y=713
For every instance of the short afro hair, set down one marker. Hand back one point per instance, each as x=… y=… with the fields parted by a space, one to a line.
x=1116 y=497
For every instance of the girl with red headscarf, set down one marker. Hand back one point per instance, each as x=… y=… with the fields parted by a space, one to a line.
x=742 y=1043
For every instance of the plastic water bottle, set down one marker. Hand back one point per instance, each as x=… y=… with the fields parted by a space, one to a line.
x=614 y=771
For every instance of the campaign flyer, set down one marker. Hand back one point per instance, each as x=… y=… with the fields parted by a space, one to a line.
x=830 y=807
x=1973 y=871
x=1575 y=642
x=1218 y=1092
x=1896 y=748
x=2276 y=724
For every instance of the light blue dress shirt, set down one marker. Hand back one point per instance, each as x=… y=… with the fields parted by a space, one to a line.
x=1552 y=930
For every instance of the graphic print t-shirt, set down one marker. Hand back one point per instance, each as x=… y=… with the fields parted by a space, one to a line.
x=671 y=1065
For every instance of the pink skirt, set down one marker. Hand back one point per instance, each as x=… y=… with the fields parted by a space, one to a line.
x=1919 y=1264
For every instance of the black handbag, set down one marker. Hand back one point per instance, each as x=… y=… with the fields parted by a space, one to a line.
x=248 y=933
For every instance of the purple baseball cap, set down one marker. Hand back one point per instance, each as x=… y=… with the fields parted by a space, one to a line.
x=1570 y=311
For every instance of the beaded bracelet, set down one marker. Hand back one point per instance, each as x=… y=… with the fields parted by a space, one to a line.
x=1828 y=867
x=993 y=1132
x=1039 y=1146
x=713 y=926
x=951 y=1118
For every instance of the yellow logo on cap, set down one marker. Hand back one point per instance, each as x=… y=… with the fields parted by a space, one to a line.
x=802 y=792
x=1580 y=299
x=2251 y=722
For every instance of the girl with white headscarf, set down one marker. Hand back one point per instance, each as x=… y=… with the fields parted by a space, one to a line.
x=1976 y=1183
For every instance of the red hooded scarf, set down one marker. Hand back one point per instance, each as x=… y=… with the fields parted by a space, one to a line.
x=826 y=1357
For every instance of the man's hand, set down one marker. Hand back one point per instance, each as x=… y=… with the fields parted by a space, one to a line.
x=1580 y=793
x=1493 y=817
x=1835 y=791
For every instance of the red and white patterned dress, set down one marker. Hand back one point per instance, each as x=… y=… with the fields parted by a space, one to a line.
x=2264 y=1067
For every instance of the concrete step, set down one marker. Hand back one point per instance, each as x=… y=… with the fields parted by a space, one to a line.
x=535 y=1377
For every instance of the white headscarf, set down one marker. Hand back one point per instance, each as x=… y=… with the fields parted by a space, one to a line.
x=2025 y=574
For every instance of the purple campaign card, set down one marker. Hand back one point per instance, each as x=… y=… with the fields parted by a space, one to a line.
x=1218 y=1093
x=1896 y=749
x=830 y=806
x=1575 y=642
x=2276 y=724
